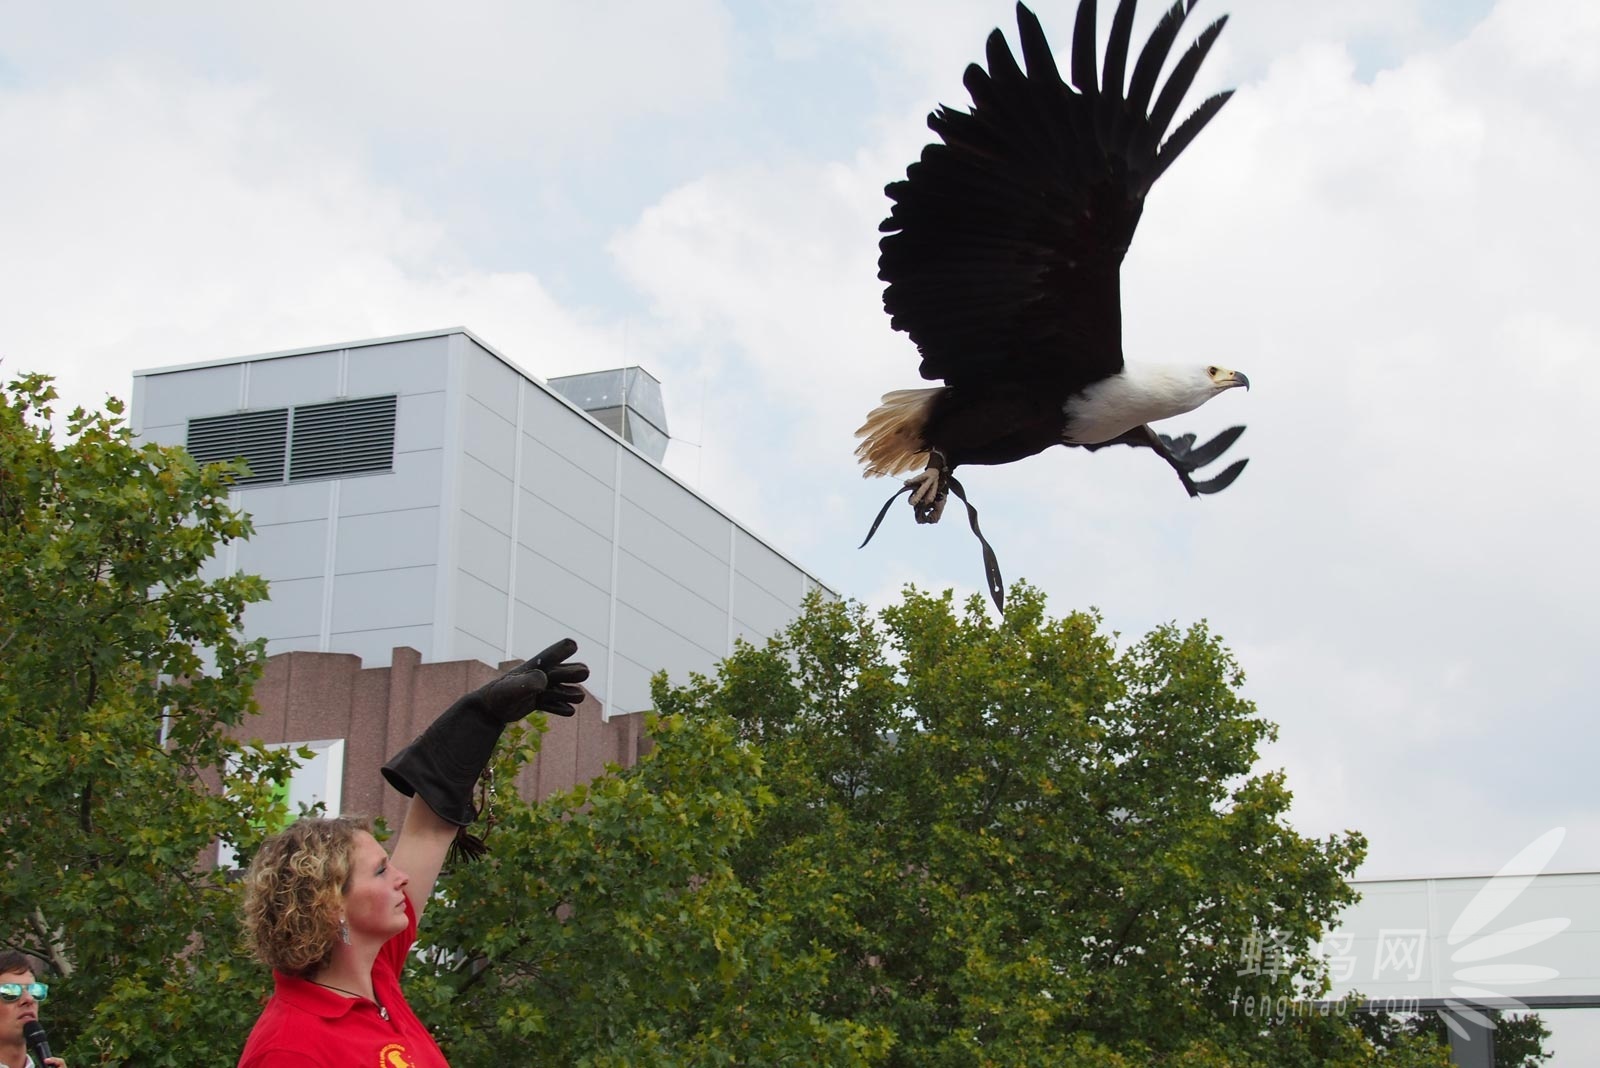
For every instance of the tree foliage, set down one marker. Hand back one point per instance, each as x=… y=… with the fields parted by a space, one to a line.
x=1519 y=1038
x=607 y=927
x=119 y=673
x=934 y=841
x=1024 y=846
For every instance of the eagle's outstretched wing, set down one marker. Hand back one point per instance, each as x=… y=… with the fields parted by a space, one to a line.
x=1005 y=241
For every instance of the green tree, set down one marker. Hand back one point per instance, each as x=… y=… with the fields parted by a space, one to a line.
x=607 y=927
x=1519 y=1039
x=119 y=673
x=1023 y=846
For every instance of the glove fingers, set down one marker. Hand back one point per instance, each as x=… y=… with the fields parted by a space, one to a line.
x=544 y=682
x=567 y=673
x=552 y=705
x=519 y=683
x=555 y=654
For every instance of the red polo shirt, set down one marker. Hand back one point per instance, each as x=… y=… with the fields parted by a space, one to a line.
x=308 y=1025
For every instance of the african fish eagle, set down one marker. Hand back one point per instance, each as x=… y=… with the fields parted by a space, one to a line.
x=1001 y=260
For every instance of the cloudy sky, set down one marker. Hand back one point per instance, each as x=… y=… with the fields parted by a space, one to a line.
x=1391 y=229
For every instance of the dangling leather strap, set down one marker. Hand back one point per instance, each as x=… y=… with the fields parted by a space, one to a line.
x=991 y=564
x=883 y=512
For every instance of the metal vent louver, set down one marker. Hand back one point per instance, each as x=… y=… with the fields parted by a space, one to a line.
x=343 y=438
x=260 y=438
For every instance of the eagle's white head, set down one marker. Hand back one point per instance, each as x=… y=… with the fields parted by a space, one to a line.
x=1144 y=393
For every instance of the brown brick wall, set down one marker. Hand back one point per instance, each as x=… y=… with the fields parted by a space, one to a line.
x=306 y=697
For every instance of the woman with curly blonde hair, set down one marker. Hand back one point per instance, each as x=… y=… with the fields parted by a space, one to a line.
x=335 y=916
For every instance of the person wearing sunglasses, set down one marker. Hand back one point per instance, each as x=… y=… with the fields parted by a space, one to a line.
x=335 y=915
x=20 y=995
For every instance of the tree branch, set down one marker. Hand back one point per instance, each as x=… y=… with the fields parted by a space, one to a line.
x=52 y=940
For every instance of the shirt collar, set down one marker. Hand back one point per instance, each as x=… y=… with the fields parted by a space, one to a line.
x=304 y=994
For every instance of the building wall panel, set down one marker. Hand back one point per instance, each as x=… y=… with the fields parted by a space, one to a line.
x=657 y=493
x=567 y=487
x=378 y=600
x=384 y=541
x=545 y=529
x=468 y=646
x=546 y=585
x=481 y=612
x=374 y=645
x=671 y=605
x=485 y=553
x=170 y=434
x=419 y=419
x=757 y=611
x=417 y=481
x=285 y=550
x=630 y=685
x=767 y=569
x=1426 y=938
x=305 y=379
x=488 y=380
x=488 y=437
x=294 y=503
x=653 y=646
x=485 y=493
x=403 y=367
x=178 y=397
x=294 y=611
x=668 y=550
x=569 y=434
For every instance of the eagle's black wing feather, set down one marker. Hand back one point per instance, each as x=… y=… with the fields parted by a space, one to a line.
x=1006 y=237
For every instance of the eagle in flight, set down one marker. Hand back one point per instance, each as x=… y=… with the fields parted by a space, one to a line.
x=1001 y=260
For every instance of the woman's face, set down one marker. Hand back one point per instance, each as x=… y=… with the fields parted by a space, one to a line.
x=375 y=899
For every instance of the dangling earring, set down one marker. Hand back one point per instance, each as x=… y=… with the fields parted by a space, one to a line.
x=344 y=931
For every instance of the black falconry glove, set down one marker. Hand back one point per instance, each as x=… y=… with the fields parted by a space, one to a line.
x=445 y=760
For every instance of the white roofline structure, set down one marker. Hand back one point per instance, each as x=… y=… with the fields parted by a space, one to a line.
x=423 y=490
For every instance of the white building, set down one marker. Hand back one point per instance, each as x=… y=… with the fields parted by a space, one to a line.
x=423 y=491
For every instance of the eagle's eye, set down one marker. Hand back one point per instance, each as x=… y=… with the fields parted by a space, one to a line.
x=1211 y=371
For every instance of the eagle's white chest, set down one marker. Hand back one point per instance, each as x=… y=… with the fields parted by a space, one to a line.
x=1137 y=396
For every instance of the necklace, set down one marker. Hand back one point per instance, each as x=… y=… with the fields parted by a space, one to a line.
x=383 y=1012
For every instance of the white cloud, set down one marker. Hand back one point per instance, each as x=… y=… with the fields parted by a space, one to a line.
x=475 y=81
x=151 y=223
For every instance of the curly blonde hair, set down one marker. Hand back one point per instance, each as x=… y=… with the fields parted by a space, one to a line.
x=294 y=893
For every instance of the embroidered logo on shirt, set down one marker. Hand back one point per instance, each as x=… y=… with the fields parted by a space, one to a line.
x=394 y=1056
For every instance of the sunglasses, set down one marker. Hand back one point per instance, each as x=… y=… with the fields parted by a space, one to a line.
x=13 y=991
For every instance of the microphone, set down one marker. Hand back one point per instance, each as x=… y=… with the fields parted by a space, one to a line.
x=38 y=1046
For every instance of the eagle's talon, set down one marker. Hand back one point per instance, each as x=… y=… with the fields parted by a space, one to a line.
x=929 y=491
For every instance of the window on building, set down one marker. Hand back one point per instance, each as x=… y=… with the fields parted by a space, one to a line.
x=308 y=441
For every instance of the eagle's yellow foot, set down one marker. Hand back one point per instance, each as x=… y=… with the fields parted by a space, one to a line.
x=929 y=491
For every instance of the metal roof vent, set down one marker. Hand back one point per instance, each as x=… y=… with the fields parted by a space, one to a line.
x=330 y=440
x=338 y=438
x=260 y=438
x=626 y=401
